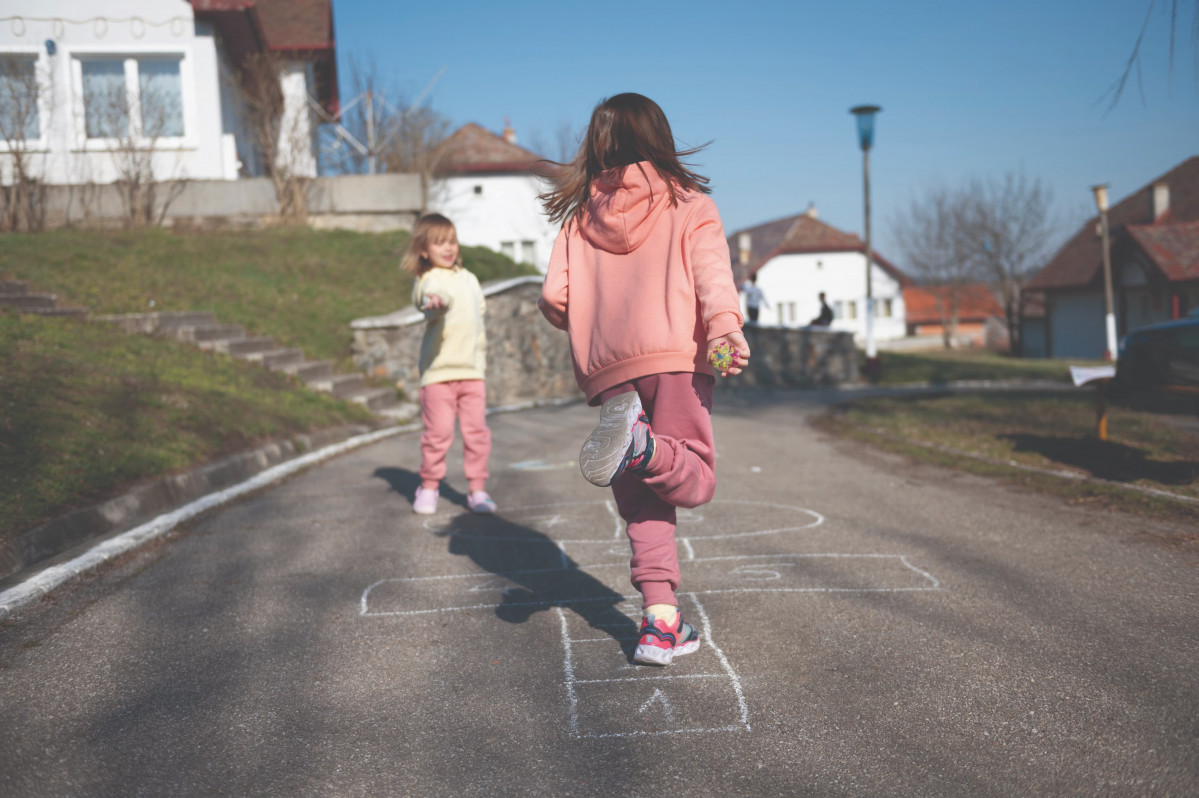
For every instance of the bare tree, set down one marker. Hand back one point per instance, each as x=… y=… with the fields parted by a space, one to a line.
x=417 y=149
x=932 y=237
x=281 y=138
x=1133 y=65
x=1008 y=230
x=24 y=99
x=379 y=130
x=565 y=142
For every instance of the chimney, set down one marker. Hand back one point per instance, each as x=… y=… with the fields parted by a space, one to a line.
x=509 y=133
x=1159 y=199
x=811 y=211
x=745 y=245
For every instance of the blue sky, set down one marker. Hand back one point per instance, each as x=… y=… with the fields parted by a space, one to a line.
x=967 y=89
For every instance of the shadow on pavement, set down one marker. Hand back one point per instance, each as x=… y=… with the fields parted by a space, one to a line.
x=543 y=575
x=1106 y=459
x=405 y=483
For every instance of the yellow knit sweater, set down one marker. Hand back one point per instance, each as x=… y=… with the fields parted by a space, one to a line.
x=455 y=343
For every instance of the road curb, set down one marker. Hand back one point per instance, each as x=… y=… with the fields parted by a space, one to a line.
x=189 y=494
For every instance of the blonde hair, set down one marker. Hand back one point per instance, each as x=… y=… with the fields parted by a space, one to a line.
x=432 y=228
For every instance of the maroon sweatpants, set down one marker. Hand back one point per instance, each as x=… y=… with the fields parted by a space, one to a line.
x=683 y=474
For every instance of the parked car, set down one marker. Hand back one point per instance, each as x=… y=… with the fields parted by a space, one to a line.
x=1161 y=359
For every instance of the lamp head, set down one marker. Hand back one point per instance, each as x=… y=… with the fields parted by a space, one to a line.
x=1100 y=197
x=865 y=116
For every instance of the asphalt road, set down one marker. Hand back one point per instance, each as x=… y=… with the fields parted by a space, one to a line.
x=870 y=627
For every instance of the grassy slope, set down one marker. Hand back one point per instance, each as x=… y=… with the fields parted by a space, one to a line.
x=86 y=411
x=302 y=287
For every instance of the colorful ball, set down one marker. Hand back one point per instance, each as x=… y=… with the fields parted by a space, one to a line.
x=722 y=357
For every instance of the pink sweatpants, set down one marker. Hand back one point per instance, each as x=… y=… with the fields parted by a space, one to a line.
x=682 y=474
x=440 y=403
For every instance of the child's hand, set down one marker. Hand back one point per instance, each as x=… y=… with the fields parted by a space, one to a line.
x=737 y=347
x=433 y=302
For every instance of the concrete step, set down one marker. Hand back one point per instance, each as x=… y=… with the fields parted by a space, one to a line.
x=401 y=413
x=374 y=399
x=310 y=369
x=174 y=319
x=14 y=287
x=277 y=359
x=340 y=385
x=160 y=323
x=209 y=332
x=244 y=347
x=72 y=313
x=24 y=301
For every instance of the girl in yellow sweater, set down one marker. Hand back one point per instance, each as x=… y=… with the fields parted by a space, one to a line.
x=453 y=360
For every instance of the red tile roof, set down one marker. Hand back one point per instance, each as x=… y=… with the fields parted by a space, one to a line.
x=473 y=148
x=976 y=302
x=297 y=24
x=1080 y=261
x=1173 y=248
x=799 y=235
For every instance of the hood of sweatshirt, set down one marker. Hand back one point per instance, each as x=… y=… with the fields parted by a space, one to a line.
x=624 y=205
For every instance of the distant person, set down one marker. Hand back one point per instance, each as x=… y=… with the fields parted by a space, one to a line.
x=640 y=278
x=826 y=314
x=754 y=298
x=453 y=359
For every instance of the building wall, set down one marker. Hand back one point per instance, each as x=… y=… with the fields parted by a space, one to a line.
x=792 y=283
x=138 y=29
x=500 y=212
x=530 y=361
x=1075 y=324
x=215 y=145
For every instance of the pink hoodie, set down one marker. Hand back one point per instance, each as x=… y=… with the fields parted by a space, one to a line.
x=640 y=285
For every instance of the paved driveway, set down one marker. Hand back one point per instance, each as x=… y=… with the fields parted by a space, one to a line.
x=870 y=627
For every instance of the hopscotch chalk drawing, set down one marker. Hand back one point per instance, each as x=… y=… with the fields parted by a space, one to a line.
x=581 y=573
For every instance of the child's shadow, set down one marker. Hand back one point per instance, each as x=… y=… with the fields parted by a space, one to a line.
x=544 y=576
x=405 y=483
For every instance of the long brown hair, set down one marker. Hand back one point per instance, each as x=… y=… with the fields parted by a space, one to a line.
x=625 y=129
x=432 y=228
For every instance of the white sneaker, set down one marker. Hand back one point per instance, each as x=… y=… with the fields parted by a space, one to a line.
x=425 y=502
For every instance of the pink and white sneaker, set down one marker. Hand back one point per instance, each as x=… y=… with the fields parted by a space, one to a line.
x=425 y=502
x=660 y=643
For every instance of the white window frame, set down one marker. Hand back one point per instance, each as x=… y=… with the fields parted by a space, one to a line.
x=129 y=56
x=45 y=103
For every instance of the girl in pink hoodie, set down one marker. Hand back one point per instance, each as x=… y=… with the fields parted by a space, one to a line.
x=641 y=280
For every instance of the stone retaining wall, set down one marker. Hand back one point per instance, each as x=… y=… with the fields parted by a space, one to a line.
x=529 y=361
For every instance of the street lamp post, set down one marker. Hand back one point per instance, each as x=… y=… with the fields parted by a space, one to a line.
x=1110 y=320
x=865 y=119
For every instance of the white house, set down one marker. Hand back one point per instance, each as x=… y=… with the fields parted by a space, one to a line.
x=89 y=78
x=489 y=191
x=797 y=258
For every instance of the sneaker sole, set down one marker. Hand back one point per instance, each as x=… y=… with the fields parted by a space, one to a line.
x=652 y=655
x=609 y=442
